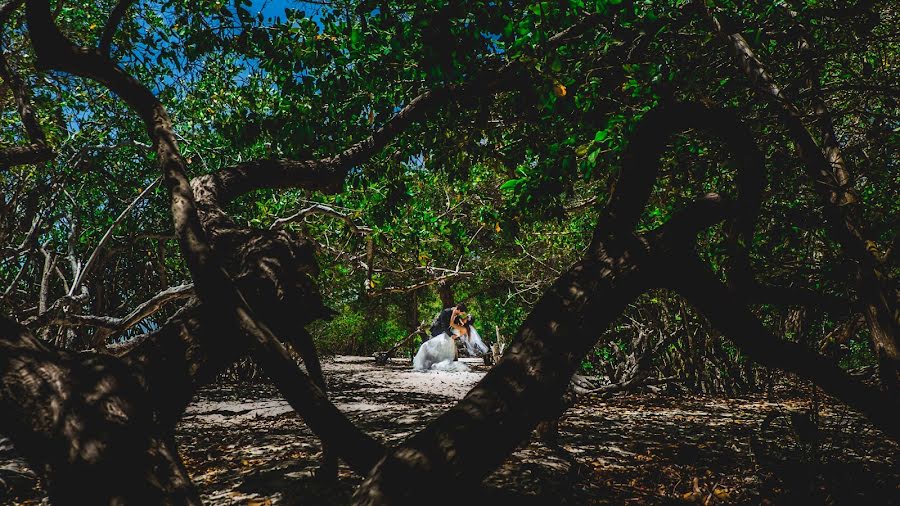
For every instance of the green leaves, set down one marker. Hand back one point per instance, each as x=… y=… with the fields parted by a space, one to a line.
x=480 y=179
x=512 y=184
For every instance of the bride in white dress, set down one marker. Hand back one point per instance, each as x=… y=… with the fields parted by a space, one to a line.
x=439 y=352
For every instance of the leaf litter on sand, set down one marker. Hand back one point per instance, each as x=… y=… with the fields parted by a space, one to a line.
x=242 y=444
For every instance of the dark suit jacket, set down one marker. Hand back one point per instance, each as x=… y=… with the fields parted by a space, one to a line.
x=441 y=322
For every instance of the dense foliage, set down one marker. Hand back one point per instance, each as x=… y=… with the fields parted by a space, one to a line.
x=487 y=200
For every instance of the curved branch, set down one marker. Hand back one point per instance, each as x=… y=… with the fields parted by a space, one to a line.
x=92 y=259
x=224 y=310
x=37 y=151
x=700 y=286
x=640 y=164
x=321 y=209
x=327 y=174
x=109 y=325
x=112 y=24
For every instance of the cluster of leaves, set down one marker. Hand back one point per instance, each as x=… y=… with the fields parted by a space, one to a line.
x=504 y=188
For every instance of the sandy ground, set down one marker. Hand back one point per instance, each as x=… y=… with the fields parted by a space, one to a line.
x=364 y=376
x=244 y=445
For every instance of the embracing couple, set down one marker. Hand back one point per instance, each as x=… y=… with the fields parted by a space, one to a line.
x=439 y=352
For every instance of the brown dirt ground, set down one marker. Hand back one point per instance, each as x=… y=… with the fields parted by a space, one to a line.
x=243 y=445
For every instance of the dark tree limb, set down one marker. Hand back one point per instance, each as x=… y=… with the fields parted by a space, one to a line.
x=826 y=169
x=112 y=24
x=99 y=445
x=303 y=344
x=473 y=437
x=38 y=150
x=327 y=174
x=24 y=155
x=224 y=308
x=700 y=286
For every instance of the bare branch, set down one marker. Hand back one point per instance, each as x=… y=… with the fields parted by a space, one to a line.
x=588 y=202
x=321 y=209
x=108 y=325
x=627 y=385
x=15 y=281
x=842 y=333
x=49 y=264
x=381 y=357
x=28 y=242
x=420 y=284
x=92 y=259
x=51 y=315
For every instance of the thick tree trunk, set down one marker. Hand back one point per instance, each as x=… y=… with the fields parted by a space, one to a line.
x=445 y=293
x=473 y=437
x=101 y=413
x=85 y=423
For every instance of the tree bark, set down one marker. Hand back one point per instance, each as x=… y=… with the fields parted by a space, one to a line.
x=472 y=438
x=225 y=313
x=37 y=151
x=85 y=422
x=445 y=293
x=148 y=383
x=834 y=185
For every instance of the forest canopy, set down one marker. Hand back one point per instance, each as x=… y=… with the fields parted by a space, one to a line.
x=191 y=190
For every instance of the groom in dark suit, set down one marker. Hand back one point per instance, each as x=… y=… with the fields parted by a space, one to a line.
x=442 y=321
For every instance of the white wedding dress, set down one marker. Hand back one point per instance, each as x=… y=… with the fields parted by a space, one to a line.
x=474 y=345
x=438 y=352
